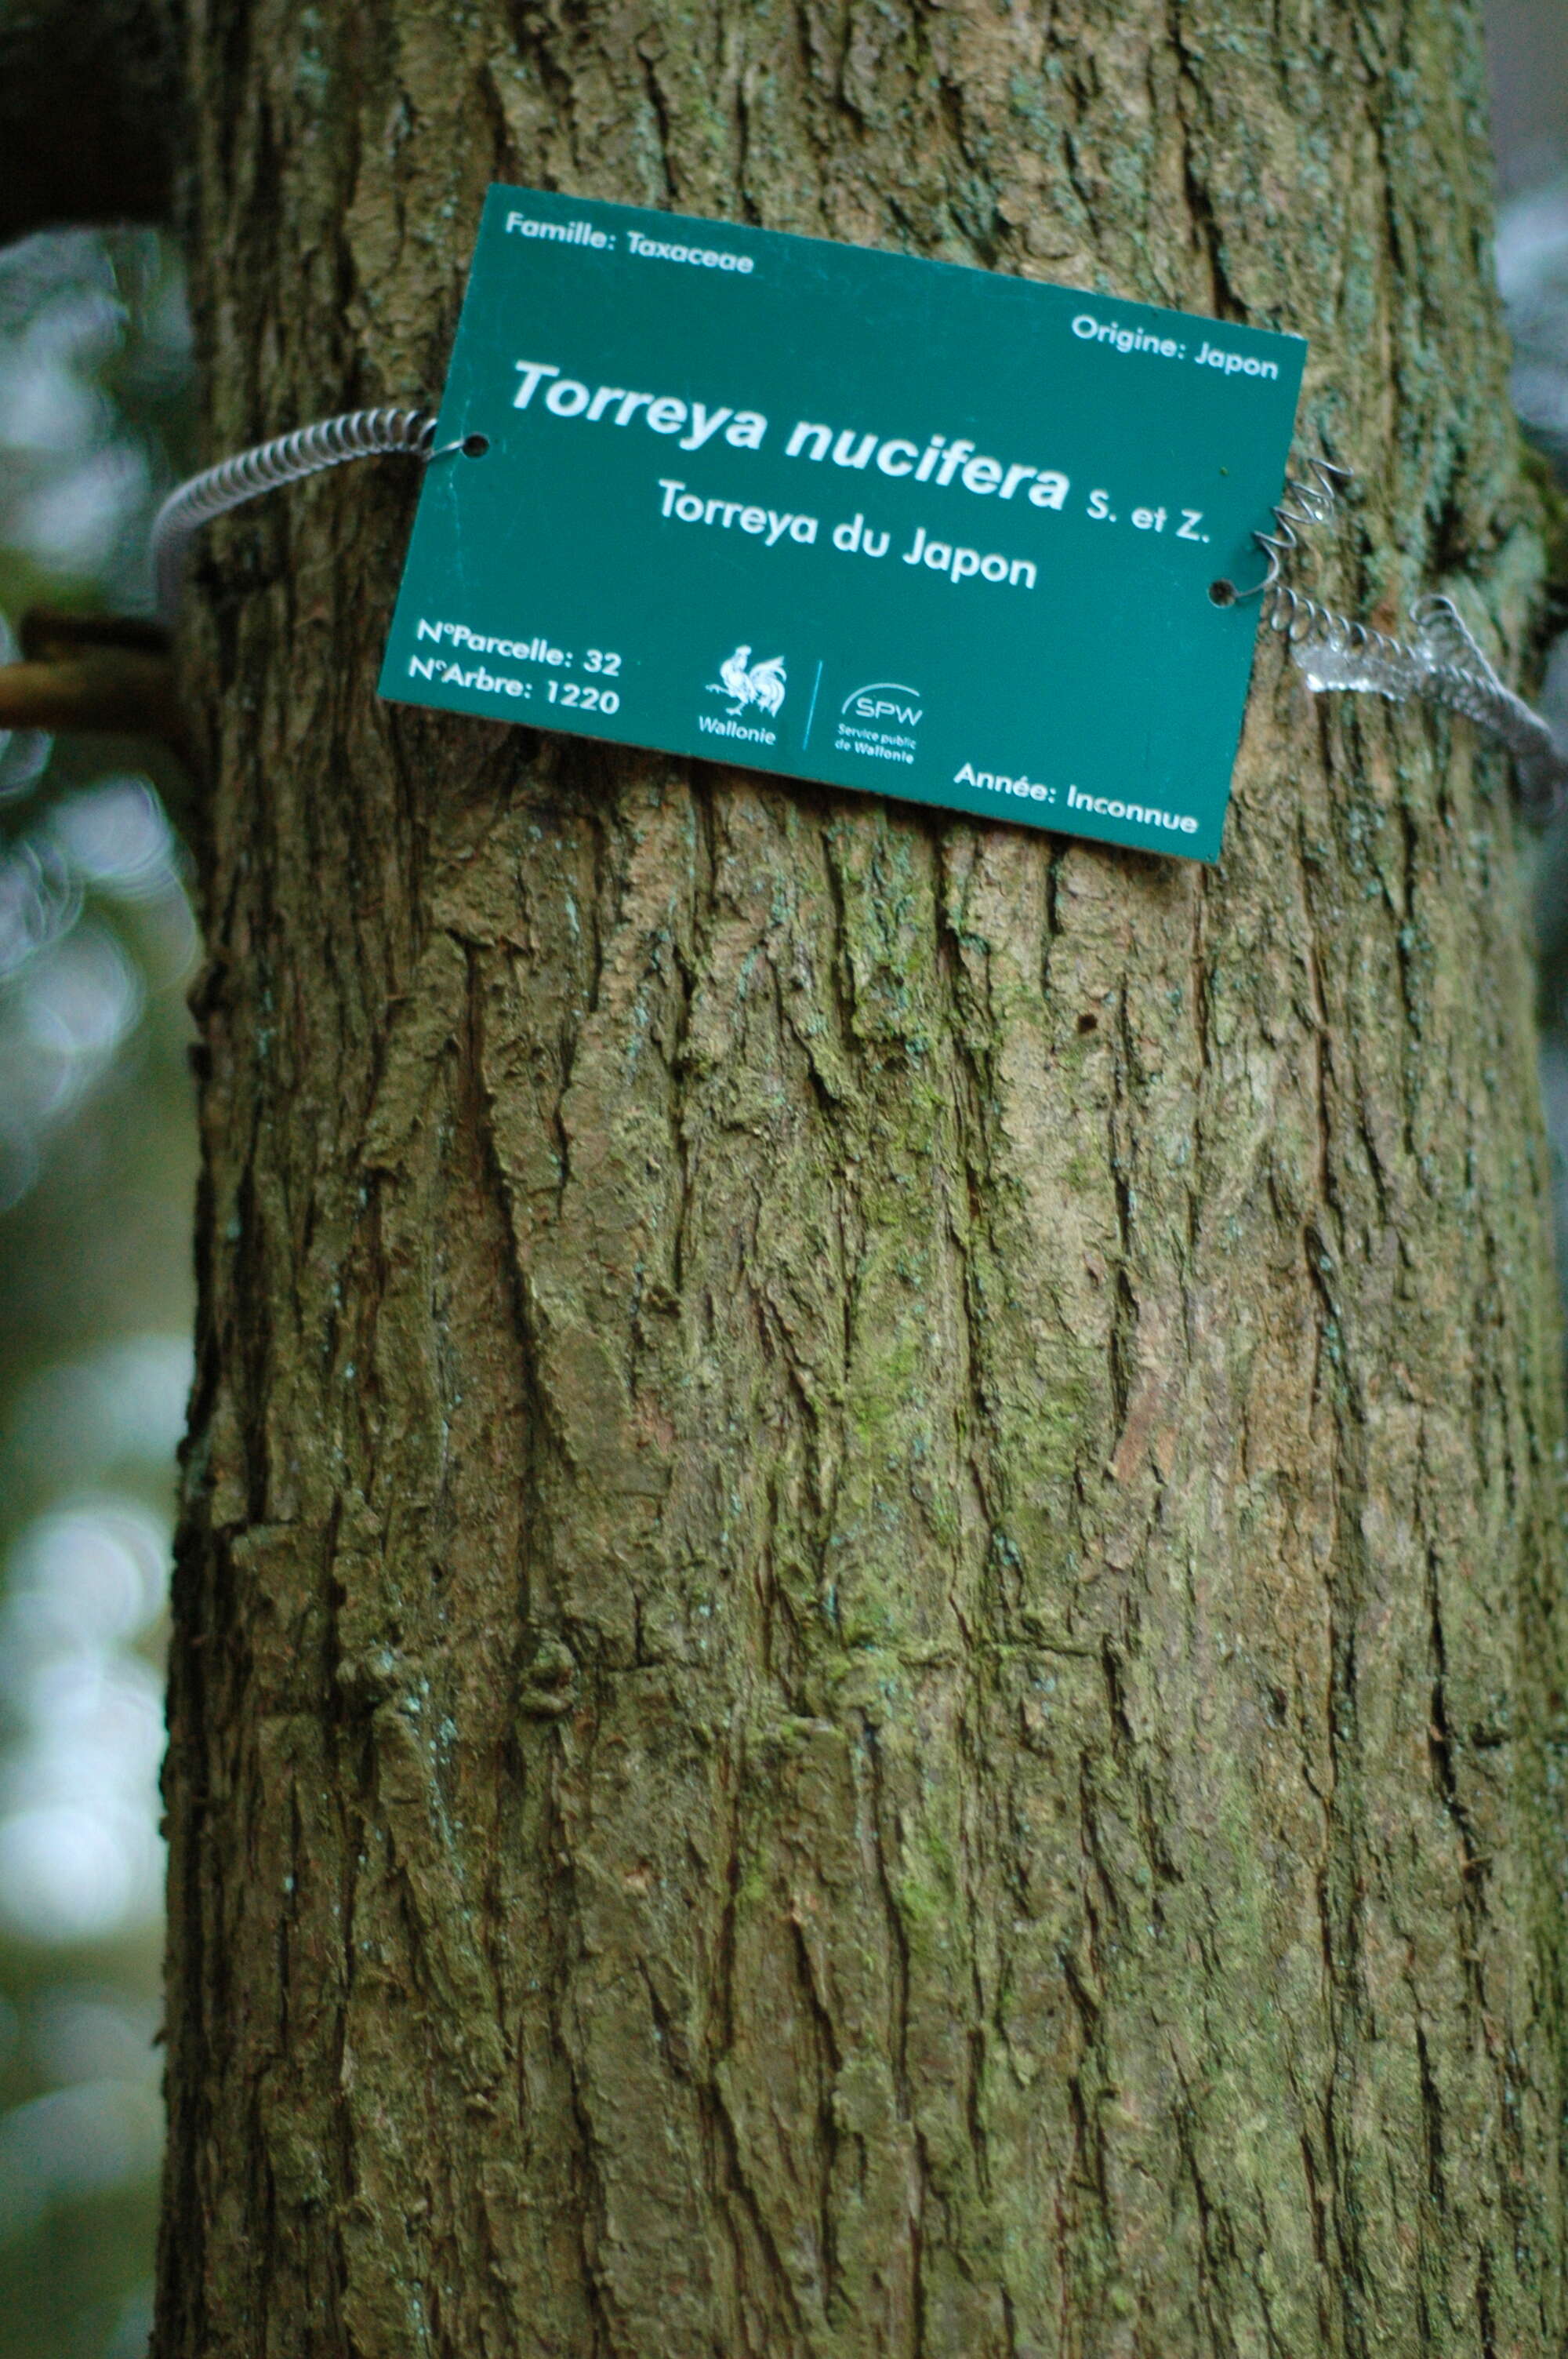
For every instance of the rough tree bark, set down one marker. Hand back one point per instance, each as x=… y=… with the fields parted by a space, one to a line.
x=868 y=1641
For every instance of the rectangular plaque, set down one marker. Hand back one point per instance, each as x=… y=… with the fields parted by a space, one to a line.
x=847 y=516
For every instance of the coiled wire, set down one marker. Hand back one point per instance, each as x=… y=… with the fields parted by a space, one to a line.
x=1440 y=662
x=287 y=459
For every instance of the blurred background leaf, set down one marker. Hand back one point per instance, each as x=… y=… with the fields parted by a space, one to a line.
x=1528 y=41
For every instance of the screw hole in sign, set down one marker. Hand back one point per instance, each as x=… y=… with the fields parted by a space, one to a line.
x=1221 y=593
x=474 y=446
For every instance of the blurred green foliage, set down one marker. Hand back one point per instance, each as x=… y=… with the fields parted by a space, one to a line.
x=96 y=1187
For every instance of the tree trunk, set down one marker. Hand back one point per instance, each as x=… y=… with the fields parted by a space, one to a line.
x=868 y=1641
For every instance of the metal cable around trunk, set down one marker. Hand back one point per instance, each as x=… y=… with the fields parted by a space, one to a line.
x=287 y=459
x=1441 y=662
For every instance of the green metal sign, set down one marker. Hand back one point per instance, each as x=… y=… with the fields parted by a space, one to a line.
x=846 y=516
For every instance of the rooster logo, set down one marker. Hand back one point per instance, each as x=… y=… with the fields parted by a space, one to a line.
x=745 y=682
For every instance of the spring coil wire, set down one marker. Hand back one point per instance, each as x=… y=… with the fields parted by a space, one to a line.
x=1441 y=662
x=287 y=459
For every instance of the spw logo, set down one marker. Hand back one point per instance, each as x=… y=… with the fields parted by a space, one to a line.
x=885 y=703
x=878 y=723
x=746 y=683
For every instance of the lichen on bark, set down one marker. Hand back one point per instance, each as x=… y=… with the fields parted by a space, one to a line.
x=868 y=1638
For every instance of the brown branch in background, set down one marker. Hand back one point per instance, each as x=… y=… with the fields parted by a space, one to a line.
x=92 y=671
